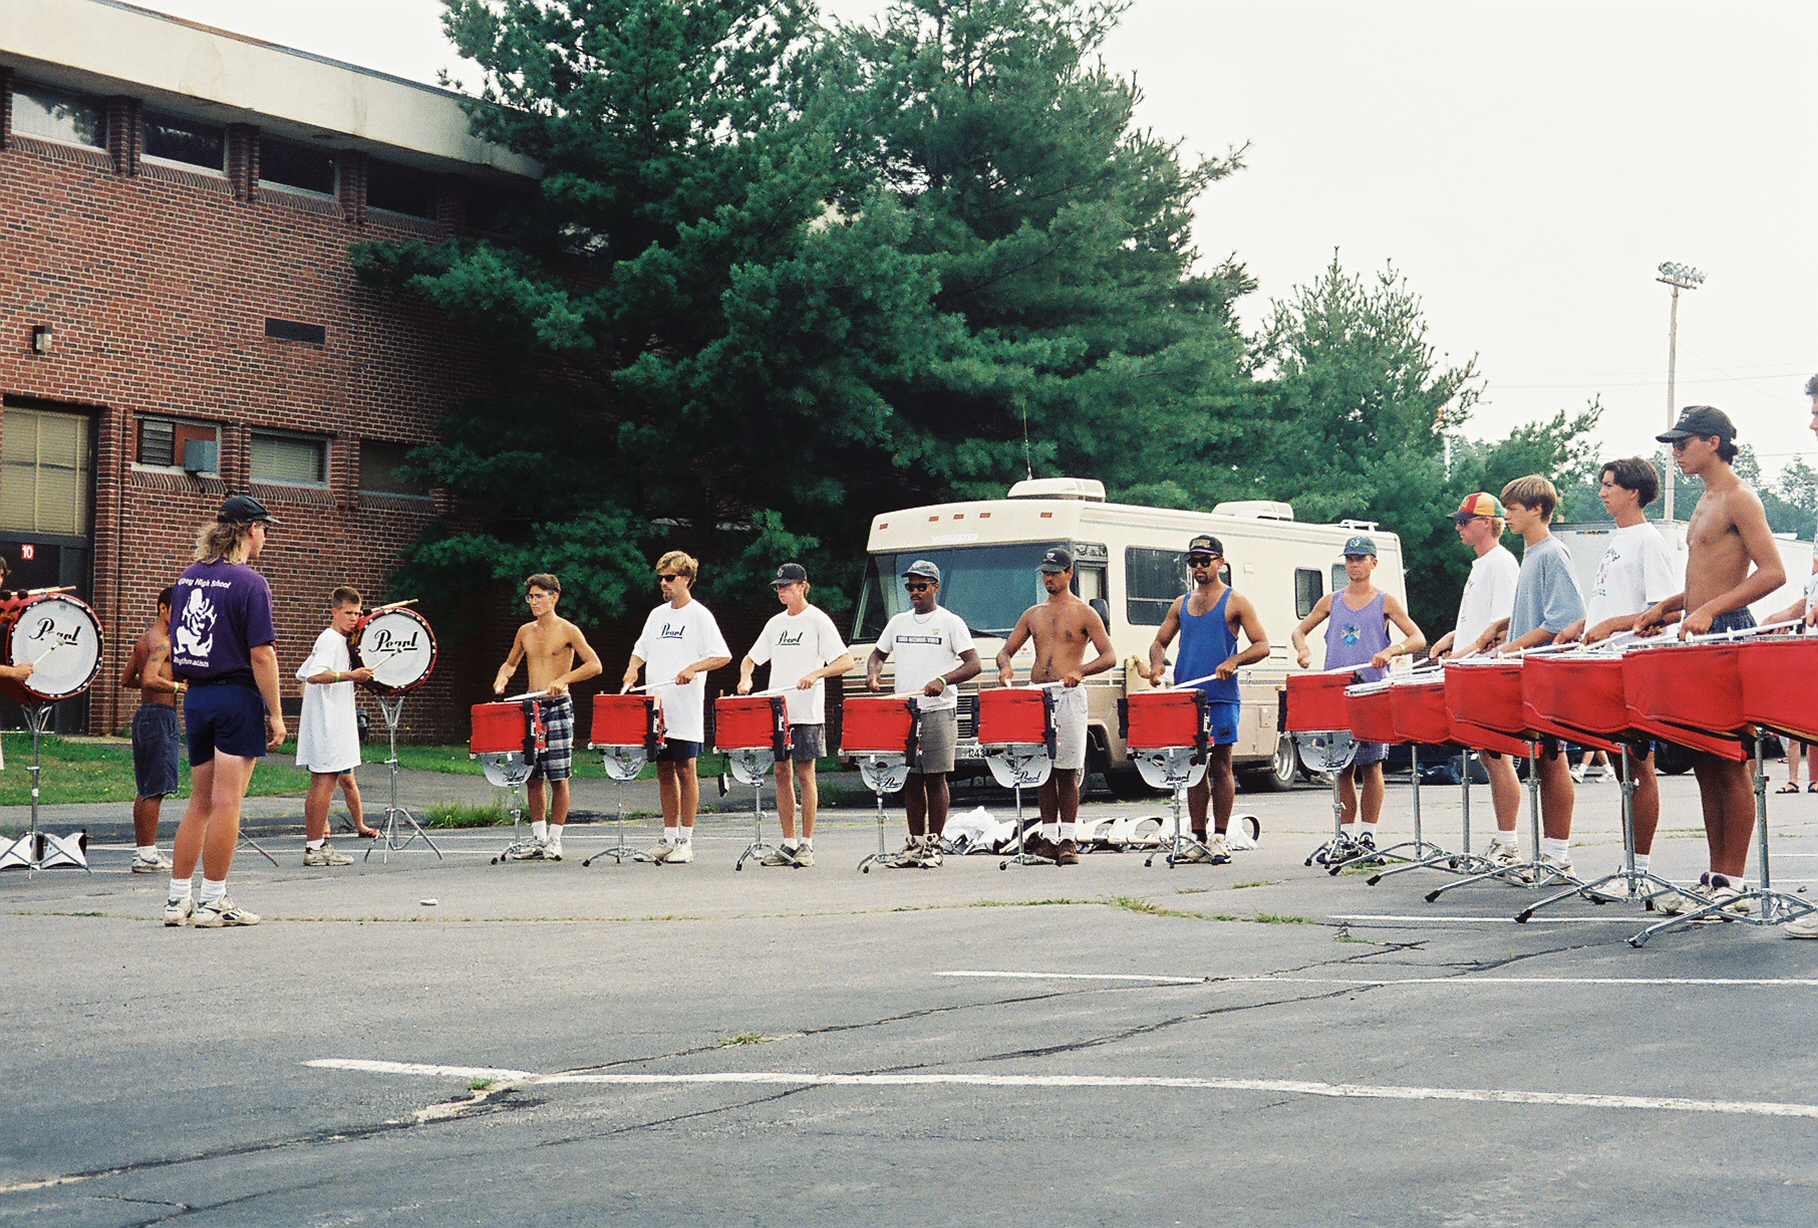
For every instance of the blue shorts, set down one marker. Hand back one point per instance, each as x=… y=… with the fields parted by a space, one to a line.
x=1225 y=715
x=807 y=743
x=1368 y=753
x=156 y=735
x=225 y=718
x=678 y=750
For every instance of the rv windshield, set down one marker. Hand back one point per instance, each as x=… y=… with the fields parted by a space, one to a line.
x=988 y=586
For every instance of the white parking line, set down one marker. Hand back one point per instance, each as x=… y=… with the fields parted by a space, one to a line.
x=1302 y=1087
x=1462 y=980
x=1081 y=976
x=1433 y=918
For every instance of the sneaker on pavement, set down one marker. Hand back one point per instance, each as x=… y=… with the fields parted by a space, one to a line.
x=1218 y=852
x=1342 y=848
x=1037 y=845
x=661 y=852
x=909 y=857
x=804 y=857
x=779 y=857
x=1190 y=852
x=529 y=850
x=1802 y=927
x=223 y=912
x=1578 y=774
x=1606 y=772
x=1732 y=905
x=1547 y=869
x=1501 y=855
x=180 y=912
x=681 y=854
x=325 y=856
x=149 y=865
x=934 y=853
x=1066 y=853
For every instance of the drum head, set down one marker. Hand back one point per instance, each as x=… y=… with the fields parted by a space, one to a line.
x=399 y=648
x=1329 y=751
x=61 y=638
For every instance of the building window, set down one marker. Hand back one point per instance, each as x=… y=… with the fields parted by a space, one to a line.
x=293 y=460
x=399 y=189
x=46 y=471
x=295 y=167
x=493 y=209
x=380 y=469
x=58 y=115
x=1152 y=580
x=173 y=443
x=1307 y=591
x=189 y=142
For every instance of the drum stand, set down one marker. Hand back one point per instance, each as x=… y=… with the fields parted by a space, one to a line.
x=1330 y=751
x=1017 y=767
x=622 y=763
x=509 y=770
x=1173 y=767
x=883 y=773
x=1771 y=907
x=752 y=766
x=1465 y=862
x=1635 y=883
x=1514 y=874
x=39 y=850
x=1418 y=846
x=393 y=707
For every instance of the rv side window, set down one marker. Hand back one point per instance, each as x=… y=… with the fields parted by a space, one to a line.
x=1306 y=590
x=1152 y=580
x=1340 y=577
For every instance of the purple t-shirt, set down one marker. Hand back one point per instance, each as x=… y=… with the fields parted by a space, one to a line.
x=220 y=612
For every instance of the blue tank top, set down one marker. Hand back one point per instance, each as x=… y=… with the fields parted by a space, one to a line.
x=1354 y=636
x=1206 y=642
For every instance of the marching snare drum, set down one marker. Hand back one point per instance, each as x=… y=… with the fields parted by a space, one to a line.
x=1576 y=695
x=398 y=646
x=627 y=731
x=1316 y=702
x=60 y=637
x=879 y=732
x=1687 y=693
x=1483 y=702
x=1417 y=708
x=753 y=731
x=507 y=738
x=1168 y=733
x=1016 y=732
x=1368 y=713
x=1779 y=677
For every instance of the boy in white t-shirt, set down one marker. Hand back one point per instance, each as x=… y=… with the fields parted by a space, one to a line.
x=1636 y=572
x=1489 y=597
x=328 y=729
x=934 y=653
x=804 y=649
x=680 y=645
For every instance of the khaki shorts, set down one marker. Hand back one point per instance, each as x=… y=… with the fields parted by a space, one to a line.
x=937 y=736
x=1070 y=728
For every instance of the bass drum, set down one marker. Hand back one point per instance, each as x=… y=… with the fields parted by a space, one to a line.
x=397 y=646
x=60 y=637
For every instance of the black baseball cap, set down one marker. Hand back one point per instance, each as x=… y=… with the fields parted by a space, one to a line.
x=790 y=573
x=1700 y=422
x=1205 y=543
x=244 y=509
x=1057 y=560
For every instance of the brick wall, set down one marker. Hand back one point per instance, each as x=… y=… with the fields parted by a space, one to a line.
x=158 y=283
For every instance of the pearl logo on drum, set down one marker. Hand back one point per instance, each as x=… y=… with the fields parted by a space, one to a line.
x=48 y=627
x=386 y=644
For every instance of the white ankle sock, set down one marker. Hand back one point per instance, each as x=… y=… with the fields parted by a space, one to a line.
x=687 y=835
x=672 y=836
x=1555 y=850
x=180 y=888
x=1068 y=831
x=555 y=833
x=314 y=844
x=147 y=852
x=789 y=842
x=1051 y=832
x=807 y=842
x=1641 y=863
x=539 y=831
x=212 y=890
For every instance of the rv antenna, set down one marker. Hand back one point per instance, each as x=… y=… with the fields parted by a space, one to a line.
x=1028 y=469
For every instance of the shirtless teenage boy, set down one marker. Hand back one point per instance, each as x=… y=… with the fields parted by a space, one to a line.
x=548 y=647
x=1061 y=626
x=156 y=733
x=1727 y=534
x=1207 y=621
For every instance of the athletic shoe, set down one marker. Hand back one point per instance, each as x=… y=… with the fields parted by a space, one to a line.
x=1342 y=848
x=530 y=850
x=1501 y=855
x=552 y=851
x=1731 y=905
x=1606 y=772
x=804 y=857
x=1547 y=868
x=909 y=857
x=1802 y=927
x=223 y=912
x=1578 y=774
x=661 y=852
x=1066 y=853
x=779 y=857
x=149 y=865
x=179 y=912
x=1037 y=845
x=932 y=852
x=681 y=854
x=325 y=856
x=1219 y=851
x=1191 y=852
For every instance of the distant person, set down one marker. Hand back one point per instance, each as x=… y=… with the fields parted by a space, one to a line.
x=223 y=647
x=1635 y=574
x=804 y=649
x=1062 y=628
x=1726 y=536
x=1358 y=619
x=1208 y=620
x=680 y=645
x=934 y=654
x=1489 y=597
x=548 y=646
x=157 y=734
x=328 y=730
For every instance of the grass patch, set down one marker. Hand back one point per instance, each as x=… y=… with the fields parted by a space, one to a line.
x=744 y=1038
x=1261 y=882
x=1276 y=918
x=101 y=770
x=1192 y=890
x=463 y=814
x=480 y=1085
x=1024 y=903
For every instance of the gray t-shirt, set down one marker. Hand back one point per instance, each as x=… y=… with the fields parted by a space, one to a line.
x=1546 y=592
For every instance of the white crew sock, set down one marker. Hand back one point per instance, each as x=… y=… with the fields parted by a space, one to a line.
x=179 y=888
x=1348 y=830
x=212 y=890
x=147 y=852
x=789 y=842
x=539 y=831
x=1641 y=863
x=1555 y=850
x=555 y=834
x=807 y=842
x=1506 y=835
x=687 y=835
x=315 y=844
x=1069 y=831
x=672 y=836
x=1051 y=832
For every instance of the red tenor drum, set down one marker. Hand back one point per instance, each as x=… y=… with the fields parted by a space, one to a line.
x=1417 y=708
x=1576 y=695
x=59 y=636
x=1316 y=702
x=398 y=646
x=1780 y=683
x=1483 y=702
x=1687 y=693
x=1159 y=720
x=502 y=728
x=751 y=722
x=1016 y=716
x=1368 y=714
x=627 y=720
x=878 y=725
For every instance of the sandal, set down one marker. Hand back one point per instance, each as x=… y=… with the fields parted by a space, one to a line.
x=371 y=833
x=1812 y=788
x=1791 y=786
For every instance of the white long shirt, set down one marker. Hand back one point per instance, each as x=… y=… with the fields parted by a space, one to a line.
x=328 y=732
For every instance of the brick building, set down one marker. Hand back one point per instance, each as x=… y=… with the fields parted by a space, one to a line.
x=179 y=317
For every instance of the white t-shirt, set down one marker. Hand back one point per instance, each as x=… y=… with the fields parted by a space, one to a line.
x=1635 y=573
x=672 y=641
x=328 y=731
x=924 y=648
x=1488 y=595
x=796 y=645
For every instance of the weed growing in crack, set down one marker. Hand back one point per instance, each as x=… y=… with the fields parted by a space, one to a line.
x=744 y=1038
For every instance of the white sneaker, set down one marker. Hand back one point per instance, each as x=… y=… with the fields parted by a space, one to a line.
x=1548 y=868
x=1802 y=927
x=1501 y=855
x=552 y=851
x=660 y=853
x=149 y=865
x=325 y=856
x=1578 y=774
x=779 y=857
x=180 y=912
x=223 y=912
x=1218 y=852
x=681 y=854
x=1606 y=772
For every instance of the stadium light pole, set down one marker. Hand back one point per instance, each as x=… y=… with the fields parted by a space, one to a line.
x=1680 y=277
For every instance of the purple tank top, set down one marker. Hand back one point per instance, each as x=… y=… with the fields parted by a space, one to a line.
x=1354 y=636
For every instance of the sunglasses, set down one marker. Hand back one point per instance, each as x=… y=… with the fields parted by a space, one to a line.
x=666 y=579
x=1200 y=560
x=918 y=588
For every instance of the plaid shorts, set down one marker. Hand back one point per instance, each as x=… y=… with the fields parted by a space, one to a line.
x=557 y=760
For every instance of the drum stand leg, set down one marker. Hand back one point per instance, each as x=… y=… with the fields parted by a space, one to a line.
x=1635 y=883
x=1463 y=862
x=518 y=843
x=1420 y=851
x=757 y=844
x=1527 y=873
x=1337 y=849
x=1020 y=857
x=38 y=849
x=1175 y=847
x=1770 y=907
x=620 y=850
x=393 y=708
x=881 y=857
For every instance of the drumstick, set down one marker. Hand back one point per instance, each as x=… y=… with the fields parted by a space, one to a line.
x=47 y=652
x=396 y=605
x=1742 y=632
x=512 y=699
x=35 y=592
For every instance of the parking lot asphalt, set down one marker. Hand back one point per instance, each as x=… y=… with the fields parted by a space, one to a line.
x=420 y=1040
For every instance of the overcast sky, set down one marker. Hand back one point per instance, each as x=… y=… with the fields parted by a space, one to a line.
x=1525 y=165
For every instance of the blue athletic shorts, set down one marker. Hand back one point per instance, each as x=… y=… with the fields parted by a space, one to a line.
x=1225 y=716
x=156 y=736
x=678 y=750
x=225 y=718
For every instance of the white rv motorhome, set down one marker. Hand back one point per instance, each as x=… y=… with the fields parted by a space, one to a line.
x=1130 y=564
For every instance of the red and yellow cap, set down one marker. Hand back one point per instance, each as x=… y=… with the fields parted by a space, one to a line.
x=1479 y=504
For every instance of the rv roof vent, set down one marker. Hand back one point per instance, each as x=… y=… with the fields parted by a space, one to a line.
x=1360 y=526
x=1085 y=490
x=1256 y=509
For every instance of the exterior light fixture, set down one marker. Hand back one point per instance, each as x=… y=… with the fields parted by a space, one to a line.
x=41 y=338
